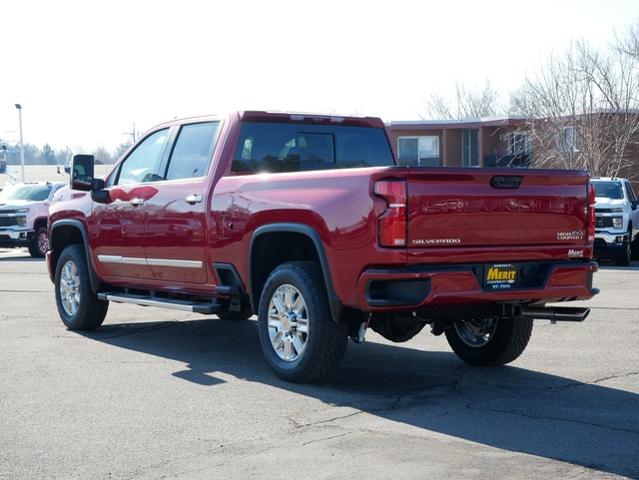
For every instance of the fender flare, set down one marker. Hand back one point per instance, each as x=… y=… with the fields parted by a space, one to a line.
x=96 y=283
x=334 y=302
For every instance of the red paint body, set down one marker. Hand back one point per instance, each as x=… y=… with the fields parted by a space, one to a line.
x=454 y=217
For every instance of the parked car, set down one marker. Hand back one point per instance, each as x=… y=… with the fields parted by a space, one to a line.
x=617 y=216
x=24 y=210
x=307 y=222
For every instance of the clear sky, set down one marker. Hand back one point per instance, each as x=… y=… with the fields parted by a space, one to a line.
x=85 y=71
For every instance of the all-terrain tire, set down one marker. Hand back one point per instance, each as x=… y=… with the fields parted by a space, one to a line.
x=90 y=311
x=506 y=344
x=326 y=339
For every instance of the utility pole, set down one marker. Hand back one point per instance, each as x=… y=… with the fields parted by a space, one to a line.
x=19 y=107
x=132 y=133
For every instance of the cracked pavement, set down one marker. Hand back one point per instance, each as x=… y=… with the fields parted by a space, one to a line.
x=158 y=394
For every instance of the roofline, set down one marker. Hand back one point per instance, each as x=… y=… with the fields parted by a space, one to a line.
x=306 y=117
x=195 y=118
x=482 y=121
x=275 y=116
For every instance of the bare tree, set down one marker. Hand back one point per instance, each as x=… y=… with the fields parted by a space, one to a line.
x=582 y=108
x=102 y=156
x=468 y=103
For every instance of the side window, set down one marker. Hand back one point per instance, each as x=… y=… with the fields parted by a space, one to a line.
x=630 y=192
x=192 y=152
x=143 y=164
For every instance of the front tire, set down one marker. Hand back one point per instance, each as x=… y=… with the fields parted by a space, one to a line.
x=299 y=339
x=623 y=259
x=483 y=343
x=79 y=308
x=38 y=247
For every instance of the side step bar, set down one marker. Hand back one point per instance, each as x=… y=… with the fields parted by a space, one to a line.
x=556 y=314
x=147 y=301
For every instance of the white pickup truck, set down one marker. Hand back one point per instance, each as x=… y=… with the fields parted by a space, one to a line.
x=24 y=213
x=617 y=215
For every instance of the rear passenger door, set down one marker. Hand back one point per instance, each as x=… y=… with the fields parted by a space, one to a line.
x=176 y=217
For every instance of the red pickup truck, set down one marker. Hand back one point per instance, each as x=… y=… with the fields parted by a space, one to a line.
x=307 y=222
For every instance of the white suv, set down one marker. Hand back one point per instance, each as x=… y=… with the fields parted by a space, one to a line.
x=617 y=212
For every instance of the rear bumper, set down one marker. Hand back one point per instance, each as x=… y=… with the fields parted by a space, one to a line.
x=420 y=287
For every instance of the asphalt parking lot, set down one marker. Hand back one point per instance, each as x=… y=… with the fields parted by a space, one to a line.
x=161 y=394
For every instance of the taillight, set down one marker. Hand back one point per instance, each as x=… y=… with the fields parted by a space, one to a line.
x=392 y=223
x=592 y=221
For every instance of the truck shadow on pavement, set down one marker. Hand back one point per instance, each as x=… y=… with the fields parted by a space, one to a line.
x=509 y=408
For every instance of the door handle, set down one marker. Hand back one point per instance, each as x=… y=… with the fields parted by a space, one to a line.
x=193 y=199
x=136 y=202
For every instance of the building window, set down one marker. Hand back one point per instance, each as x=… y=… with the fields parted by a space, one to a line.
x=519 y=144
x=470 y=147
x=570 y=139
x=420 y=151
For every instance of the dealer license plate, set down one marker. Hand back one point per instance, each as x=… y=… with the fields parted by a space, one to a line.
x=501 y=276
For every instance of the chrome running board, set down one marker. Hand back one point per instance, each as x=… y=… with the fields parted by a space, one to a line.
x=149 y=301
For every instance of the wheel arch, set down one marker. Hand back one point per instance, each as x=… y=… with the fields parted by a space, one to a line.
x=279 y=233
x=67 y=232
x=40 y=221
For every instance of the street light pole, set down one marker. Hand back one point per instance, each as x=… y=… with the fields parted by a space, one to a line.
x=19 y=107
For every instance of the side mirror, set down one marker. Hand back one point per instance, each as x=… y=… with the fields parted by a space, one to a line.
x=635 y=204
x=82 y=173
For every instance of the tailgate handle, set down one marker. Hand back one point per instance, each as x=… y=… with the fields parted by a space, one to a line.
x=506 y=181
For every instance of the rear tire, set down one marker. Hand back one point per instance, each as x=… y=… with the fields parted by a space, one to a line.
x=507 y=341
x=38 y=247
x=79 y=308
x=299 y=338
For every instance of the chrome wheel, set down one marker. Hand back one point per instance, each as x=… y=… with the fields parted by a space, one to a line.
x=476 y=333
x=42 y=242
x=288 y=322
x=70 y=287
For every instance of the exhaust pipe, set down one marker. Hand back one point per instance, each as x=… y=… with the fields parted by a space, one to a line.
x=556 y=314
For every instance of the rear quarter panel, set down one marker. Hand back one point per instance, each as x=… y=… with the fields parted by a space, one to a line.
x=338 y=204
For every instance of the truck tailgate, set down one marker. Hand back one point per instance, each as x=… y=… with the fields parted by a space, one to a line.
x=496 y=207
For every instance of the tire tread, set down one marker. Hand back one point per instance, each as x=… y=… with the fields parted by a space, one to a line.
x=331 y=336
x=510 y=341
x=92 y=310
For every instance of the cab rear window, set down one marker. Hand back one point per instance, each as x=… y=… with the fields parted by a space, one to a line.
x=286 y=147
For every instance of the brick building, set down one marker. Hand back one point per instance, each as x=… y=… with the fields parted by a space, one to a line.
x=485 y=142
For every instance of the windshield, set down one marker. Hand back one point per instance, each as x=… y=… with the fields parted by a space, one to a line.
x=31 y=193
x=608 y=190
